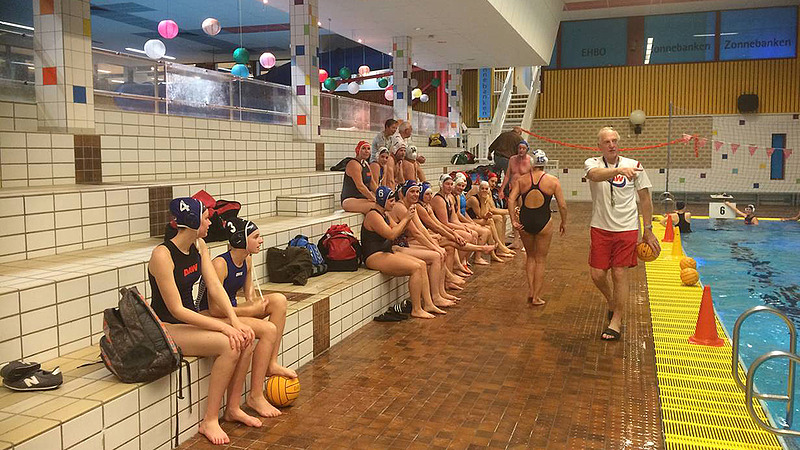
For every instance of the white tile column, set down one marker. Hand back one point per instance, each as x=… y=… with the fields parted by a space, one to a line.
x=401 y=63
x=63 y=59
x=305 y=68
x=454 y=97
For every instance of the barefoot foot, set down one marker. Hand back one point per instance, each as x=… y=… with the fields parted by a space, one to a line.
x=443 y=303
x=237 y=415
x=262 y=406
x=454 y=287
x=213 y=432
x=277 y=369
x=537 y=301
x=422 y=314
x=433 y=309
x=481 y=262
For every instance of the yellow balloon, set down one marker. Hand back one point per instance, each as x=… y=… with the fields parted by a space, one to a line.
x=416 y=93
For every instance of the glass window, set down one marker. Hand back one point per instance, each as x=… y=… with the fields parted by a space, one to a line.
x=758 y=33
x=679 y=38
x=594 y=43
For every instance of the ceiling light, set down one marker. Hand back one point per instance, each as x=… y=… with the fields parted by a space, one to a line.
x=360 y=40
x=103 y=71
x=417 y=28
x=265 y=1
x=10 y=24
x=648 y=51
x=116 y=81
x=21 y=63
x=319 y=24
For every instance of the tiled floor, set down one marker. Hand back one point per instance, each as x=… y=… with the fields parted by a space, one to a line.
x=492 y=373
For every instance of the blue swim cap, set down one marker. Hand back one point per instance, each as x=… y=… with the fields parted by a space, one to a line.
x=422 y=188
x=188 y=212
x=524 y=142
x=382 y=194
x=409 y=184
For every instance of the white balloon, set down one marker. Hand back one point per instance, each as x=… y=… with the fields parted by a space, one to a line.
x=211 y=26
x=353 y=88
x=424 y=98
x=414 y=83
x=155 y=49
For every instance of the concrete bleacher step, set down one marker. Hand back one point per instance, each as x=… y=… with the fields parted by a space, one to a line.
x=314 y=204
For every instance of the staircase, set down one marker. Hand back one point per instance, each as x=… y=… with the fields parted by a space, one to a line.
x=516 y=109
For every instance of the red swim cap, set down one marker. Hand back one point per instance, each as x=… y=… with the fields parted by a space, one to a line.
x=359 y=145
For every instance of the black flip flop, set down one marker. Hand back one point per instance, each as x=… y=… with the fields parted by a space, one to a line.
x=387 y=317
x=613 y=333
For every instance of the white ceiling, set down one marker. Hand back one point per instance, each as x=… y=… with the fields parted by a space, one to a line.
x=475 y=33
x=595 y=9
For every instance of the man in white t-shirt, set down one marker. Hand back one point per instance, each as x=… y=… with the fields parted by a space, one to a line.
x=617 y=185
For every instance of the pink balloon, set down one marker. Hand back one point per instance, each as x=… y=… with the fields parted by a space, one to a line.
x=168 y=29
x=363 y=70
x=323 y=75
x=388 y=94
x=267 y=60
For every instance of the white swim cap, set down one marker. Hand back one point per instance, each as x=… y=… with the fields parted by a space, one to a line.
x=539 y=158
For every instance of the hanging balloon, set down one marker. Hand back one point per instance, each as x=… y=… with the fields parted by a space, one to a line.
x=211 y=26
x=435 y=82
x=168 y=29
x=388 y=94
x=424 y=98
x=382 y=83
x=241 y=55
x=414 y=83
x=330 y=84
x=416 y=93
x=345 y=73
x=155 y=49
x=323 y=75
x=240 y=70
x=363 y=70
x=267 y=60
x=353 y=88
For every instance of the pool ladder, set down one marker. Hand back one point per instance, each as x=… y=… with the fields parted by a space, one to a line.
x=749 y=388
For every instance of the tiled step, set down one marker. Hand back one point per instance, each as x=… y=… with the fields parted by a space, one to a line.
x=94 y=410
x=315 y=204
x=53 y=305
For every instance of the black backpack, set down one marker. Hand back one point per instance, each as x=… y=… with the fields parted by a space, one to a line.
x=292 y=265
x=136 y=347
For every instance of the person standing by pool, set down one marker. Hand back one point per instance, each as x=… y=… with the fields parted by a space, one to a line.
x=749 y=213
x=616 y=183
x=680 y=218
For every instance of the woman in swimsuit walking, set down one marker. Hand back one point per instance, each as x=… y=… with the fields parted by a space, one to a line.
x=534 y=193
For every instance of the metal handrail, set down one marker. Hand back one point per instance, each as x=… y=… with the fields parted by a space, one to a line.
x=533 y=97
x=750 y=393
x=789 y=397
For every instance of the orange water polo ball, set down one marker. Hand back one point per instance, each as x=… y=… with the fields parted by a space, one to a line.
x=282 y=391
x=689 y=276
x=688 y=263
x=645 y=253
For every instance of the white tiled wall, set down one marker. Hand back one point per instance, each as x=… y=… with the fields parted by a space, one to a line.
x=36 y=159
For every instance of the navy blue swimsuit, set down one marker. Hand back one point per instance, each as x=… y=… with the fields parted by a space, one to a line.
x=237 y=275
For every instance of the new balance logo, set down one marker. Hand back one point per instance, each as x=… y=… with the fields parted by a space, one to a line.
x=32 y=381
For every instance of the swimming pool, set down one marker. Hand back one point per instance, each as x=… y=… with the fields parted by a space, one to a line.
x=748 y=266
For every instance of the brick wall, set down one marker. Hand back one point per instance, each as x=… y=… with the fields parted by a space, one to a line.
x=654 y=131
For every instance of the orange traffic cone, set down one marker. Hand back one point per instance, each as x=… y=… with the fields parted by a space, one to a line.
x=669 y=233
x=677 y=247
x=705 y=332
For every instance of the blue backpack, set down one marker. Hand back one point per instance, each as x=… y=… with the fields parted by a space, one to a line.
x=316 y=257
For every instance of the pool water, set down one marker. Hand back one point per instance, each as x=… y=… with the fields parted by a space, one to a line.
x=748 y=266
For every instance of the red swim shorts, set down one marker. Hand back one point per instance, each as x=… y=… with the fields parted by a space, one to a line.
x=613 y=248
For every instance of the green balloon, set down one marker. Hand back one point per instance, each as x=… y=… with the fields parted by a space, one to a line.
x=330 y=84
x=435 y=82
x=345 y=73
x=241 y=55
x=383 y=82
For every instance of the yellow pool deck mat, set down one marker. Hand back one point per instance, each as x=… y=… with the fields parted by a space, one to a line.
x=701 y=406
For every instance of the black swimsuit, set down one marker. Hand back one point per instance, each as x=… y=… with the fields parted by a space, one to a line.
x=534 y=219
x=186 y=273
x=372 y=242
x=683 y=224
x=349 y=189
x=748 y=219
x=449 y=206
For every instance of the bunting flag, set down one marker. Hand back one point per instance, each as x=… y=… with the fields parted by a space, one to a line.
x=734 y=147
x=770 y=151
x=686 y=137
x=752 y=149
x=787 y=152
x=718 y=145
